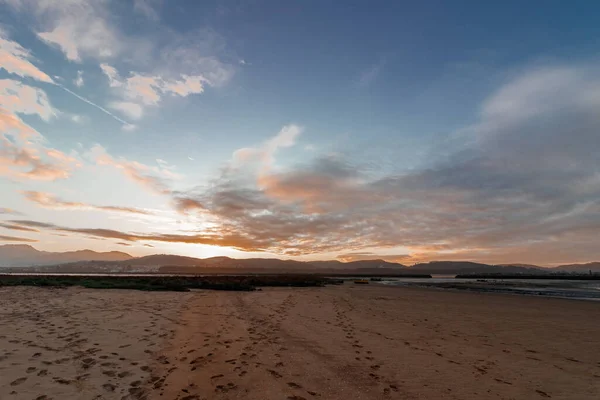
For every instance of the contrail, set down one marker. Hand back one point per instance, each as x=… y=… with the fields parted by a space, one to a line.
x=95 y=105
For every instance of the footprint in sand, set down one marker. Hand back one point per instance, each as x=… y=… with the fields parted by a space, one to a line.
x=18 y=381
x=109 y=387
x=124 y=374
x=274 y=373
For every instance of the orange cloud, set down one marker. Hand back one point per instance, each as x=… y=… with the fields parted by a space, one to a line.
x=22 y=151
x=26 y=163
x=152 y=178
x=50 y=201
x=185 y=204
x=221 y=238
x=16 y=239
x=4 y=210
x=16 y=60
x=17 y=228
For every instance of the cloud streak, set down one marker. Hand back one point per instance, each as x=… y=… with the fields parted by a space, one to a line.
x=17 y=228
x=9 y=211
x=155 y=179
x=16 y=239
x=104 y=110
x=50 y=201
x=14 y=59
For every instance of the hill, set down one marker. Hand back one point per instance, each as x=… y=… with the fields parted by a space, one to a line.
x=581 y=268
x=467 y=267
x=22 y=255
x=26 y=258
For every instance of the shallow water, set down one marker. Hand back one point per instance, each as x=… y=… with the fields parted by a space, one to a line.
x=571 y=289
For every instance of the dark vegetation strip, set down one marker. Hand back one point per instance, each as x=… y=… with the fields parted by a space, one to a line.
x=166 y=283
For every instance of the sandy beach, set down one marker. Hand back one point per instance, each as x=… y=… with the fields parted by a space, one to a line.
x=346 y=342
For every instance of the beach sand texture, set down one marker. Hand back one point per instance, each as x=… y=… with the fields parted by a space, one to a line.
x=347 y=342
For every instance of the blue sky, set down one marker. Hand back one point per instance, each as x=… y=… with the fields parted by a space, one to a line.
x=313 y=129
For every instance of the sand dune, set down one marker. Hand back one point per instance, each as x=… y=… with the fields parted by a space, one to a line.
x=316 y=343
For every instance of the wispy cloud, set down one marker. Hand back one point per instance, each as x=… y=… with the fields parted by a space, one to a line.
x=230 y=239
x=77 y=27
x=17 y=97
x=17 y=60
x=139 y=90
x=104 y=110
x=148 y=8
x=50 y=201
x=166 y=63
x=153 y=178
x=9 y=211
x=370 y=75
x=79 y=80
x=23 y=153
x=16 y=239
x=17 y=227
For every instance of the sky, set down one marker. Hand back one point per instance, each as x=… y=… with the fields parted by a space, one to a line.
x=406 y=131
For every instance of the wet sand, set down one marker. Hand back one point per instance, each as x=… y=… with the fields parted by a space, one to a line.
x=348 y=342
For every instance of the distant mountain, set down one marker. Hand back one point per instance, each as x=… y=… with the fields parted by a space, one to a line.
x=582 y=268
x=523 y=266
x=22 y=255
x=361 y=264
x=25 y=257
x=163 y=259
x=467 y=267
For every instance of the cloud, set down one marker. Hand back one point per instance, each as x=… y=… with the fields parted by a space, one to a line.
x=369 y=76
x=141 y=90
x=265 y=154
x=16 y=239
x=23 y=153
x=17 y=97
x=32 y=163
x=185 y=204
x=17 y=228
x=147 y=8
x=125 y=123
x=164 y=63
x=79 y=80
x=153 y=178
x=523 y=185
x=76 y=27
x=17 y=60
x=9 y=211
x=50 y=201
x=229 y=240
x=131 y=110
x=124 y=244
x=112 y=74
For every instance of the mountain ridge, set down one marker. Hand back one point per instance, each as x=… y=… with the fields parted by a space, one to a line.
x=24 y=255
x=27 y=257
